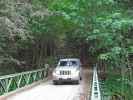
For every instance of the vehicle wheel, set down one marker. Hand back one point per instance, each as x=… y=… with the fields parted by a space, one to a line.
x=80 y=78
x=55 y=82
x=77 y=81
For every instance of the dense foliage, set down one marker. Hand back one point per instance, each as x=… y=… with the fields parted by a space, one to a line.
x=100 y=30
x=28 y=35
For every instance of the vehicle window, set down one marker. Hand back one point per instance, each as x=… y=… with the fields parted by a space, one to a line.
x=63 y=63
x=73 y=63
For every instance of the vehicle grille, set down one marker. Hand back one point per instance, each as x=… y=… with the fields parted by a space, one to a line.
x=65 y=72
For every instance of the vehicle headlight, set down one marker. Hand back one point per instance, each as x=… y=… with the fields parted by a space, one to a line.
x=76 y=72
x=56 y=72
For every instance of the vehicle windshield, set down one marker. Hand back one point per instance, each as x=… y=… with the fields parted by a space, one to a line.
x=63 y=63
x=73 y=63
x=68 y=63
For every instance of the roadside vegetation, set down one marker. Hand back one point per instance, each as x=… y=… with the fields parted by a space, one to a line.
x=35 y=32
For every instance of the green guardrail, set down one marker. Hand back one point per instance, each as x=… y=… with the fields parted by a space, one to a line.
x=104 y=93
x=95 y=92
x=12 y=82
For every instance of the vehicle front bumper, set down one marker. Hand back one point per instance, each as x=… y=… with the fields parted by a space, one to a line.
x=65 y=78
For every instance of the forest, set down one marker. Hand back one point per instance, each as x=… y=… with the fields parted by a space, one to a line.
x=36 y=32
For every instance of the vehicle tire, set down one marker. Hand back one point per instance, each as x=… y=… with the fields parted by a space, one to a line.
x=55 y=82
x=77 y=81
x=80 y=78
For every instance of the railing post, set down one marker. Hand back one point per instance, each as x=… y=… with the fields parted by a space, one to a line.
x=95 y=93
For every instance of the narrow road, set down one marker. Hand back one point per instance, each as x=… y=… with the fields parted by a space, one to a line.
x=48 y=91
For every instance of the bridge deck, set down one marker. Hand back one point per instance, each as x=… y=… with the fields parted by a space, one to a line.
x=48 y=91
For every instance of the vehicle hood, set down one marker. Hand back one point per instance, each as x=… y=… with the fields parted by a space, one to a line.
x=72 y=68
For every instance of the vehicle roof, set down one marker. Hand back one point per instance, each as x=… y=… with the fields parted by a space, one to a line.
x=68 y=59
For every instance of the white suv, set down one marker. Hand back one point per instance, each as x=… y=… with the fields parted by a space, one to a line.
x=67 y=70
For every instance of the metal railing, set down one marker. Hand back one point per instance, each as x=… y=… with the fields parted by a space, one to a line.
x=14 y=81
x=95 y=93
